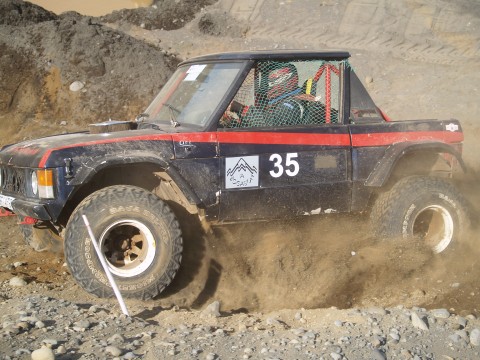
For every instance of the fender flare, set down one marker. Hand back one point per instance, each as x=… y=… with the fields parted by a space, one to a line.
x=382 y=171
x=94 y=165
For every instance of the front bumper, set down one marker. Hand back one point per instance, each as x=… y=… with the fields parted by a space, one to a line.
x=25 y=207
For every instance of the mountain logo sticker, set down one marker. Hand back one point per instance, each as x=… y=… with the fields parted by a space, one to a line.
x=241 y=172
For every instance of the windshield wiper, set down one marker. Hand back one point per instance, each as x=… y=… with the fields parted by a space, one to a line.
x=173 y=118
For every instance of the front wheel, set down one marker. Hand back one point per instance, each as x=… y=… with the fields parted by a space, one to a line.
x=426 y=208
x=139 y=238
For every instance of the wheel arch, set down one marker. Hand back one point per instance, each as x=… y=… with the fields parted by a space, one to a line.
x=407 y=159
x=149 y=173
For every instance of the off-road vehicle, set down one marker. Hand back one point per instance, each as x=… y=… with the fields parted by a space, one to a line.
x=232 y=137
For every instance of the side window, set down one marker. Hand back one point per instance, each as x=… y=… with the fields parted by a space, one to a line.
x=278 y=94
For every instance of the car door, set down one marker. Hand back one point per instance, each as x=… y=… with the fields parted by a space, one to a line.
x=285 y=157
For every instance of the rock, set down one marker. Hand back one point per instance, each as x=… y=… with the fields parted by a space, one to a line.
x=116 y=338
x=50 y=342
x=441 y=313
x=17 y=281
x=272 y=321
x=475 y=337
x=368 y=79
x=113 y=350
x=378 y=355
x=61 y=350
x=81 y=325
x=212 y=310
x=76 y=86
x=335 y=356
x=39 y=324
x=44 y=353
x=418 y=322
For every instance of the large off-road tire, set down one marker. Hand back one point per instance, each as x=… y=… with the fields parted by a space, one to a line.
x=138 y=235
x=421 y=207
x=41 y=236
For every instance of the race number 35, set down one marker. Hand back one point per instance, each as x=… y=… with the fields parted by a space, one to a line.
x=291 y=166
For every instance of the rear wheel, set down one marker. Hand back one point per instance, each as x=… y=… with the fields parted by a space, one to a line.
x=138 y=236
x=426 y=208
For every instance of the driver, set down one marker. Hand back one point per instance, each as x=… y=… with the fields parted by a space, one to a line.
x=277 y=101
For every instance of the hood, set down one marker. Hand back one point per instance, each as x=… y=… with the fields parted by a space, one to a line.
x=36 y=153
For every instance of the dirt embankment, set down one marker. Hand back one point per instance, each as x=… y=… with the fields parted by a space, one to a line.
x=42 y=55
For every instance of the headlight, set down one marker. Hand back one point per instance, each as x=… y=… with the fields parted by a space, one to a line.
x=34 y=183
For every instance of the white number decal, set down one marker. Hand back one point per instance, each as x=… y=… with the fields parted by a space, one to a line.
x=291 y=164
x=278 y=165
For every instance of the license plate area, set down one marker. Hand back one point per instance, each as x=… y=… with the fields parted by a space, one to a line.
x=6 y=201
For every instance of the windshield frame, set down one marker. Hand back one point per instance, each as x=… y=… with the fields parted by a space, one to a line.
x=211 y=122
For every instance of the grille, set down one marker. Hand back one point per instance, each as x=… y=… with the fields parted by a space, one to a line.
x=13 y=180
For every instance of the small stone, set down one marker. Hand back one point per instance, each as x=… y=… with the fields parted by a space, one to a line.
x=44 y=353
x=272 y=321
x=335 y=356
x=395 y=337
x=475 y=337
x=76 y=86
x=50 y=342
x=61 y=350
x=81 y=325
x=462 y=322
x=368 y=79
x=39 y=324
x=378 y=355
x=418 y=322
x=17 y=281
x=63 y=123
x=242 y=327
x=113 y=350
x=211 y=356
x=338 y=323
x=18 y=264
x=212 y=310
x=116 y=338
x=129 y=355
x=441 y=313
x=377 y=341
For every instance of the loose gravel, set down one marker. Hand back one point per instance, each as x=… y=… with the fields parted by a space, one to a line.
x=40 y=327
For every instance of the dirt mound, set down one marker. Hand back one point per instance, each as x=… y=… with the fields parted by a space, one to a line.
x=19 y=13
x=165 y=15
x=116 y=75
x=218 y=23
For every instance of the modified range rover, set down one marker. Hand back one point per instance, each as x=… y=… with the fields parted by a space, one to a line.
x=232 y=137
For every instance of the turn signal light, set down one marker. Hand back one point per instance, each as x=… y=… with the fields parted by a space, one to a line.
x=45 y=183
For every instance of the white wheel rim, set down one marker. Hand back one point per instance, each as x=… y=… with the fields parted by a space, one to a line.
x=438 y=233
x=128 y=247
